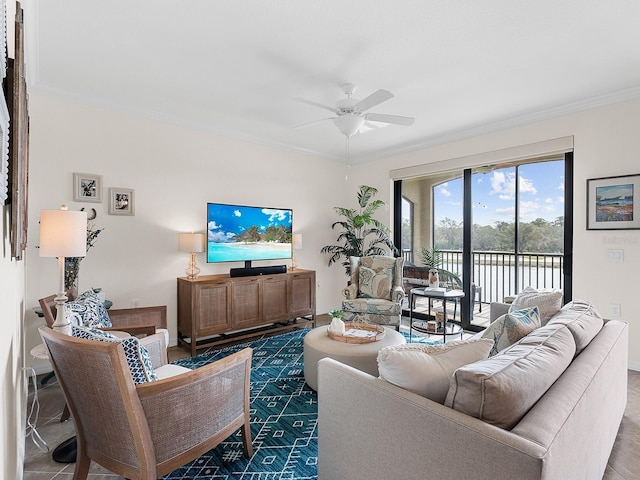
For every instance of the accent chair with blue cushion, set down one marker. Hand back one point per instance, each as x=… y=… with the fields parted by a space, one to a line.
x=146 y=430
x=375 y=293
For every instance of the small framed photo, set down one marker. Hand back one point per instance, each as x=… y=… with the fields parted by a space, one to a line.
x=121 y=201
x=613 y=203
x=87 y=187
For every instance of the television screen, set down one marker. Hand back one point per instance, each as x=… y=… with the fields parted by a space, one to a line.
x=239 y=233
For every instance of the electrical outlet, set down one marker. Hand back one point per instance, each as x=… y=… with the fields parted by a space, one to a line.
x=614 y=310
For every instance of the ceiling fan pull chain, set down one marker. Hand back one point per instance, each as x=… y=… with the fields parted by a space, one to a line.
x=346 y=163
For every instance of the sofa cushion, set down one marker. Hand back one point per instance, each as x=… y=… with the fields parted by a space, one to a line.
x=425 y=369
x=88 y=310
x=501 y=389
x=137 y=355
x=511 y=327
x=548 y=301
x=583 y=321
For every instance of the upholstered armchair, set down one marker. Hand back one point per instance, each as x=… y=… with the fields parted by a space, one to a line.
x=145 y=430
x=375 y=293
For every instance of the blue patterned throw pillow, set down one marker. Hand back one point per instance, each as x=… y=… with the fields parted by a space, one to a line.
x=138 y=357
x=88 y=310
x=511 y=327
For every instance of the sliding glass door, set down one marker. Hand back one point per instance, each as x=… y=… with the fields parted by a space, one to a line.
x=499 y=228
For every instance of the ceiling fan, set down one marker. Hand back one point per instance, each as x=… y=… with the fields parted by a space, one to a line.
x=351 y=113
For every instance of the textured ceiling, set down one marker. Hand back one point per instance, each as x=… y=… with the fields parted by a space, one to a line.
x=235 y=66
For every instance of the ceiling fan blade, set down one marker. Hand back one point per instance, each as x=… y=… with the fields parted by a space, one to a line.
x=316 y=104
x=314 y=122
x=372 y=100
x=395 y=119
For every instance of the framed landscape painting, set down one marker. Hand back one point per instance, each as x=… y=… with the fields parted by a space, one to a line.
x=613 y=203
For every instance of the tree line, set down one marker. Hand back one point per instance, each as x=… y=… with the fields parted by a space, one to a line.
x=538 y=236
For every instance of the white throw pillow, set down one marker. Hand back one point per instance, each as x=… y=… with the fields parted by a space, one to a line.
x=426 y=369
x=511 y=327
x=549 y=302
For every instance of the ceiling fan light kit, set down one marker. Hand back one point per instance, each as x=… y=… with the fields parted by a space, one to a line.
x=349 y=124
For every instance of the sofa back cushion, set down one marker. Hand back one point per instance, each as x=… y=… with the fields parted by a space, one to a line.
x=426 y=369
x=583 y=321
x=501 y=389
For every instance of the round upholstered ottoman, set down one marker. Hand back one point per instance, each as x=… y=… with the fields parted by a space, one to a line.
x=363 y=356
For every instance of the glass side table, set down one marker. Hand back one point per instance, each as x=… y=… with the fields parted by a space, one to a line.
x=445 y=328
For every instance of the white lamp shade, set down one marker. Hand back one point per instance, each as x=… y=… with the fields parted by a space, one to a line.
x=63 y=233
x=296 y=241
x=191 y=242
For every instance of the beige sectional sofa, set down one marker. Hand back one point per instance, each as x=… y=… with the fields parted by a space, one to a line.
x=371 y=429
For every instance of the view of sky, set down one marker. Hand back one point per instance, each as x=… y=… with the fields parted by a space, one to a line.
x=541 y=188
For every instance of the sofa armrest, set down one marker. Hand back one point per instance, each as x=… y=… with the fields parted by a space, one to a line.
x=360 y=416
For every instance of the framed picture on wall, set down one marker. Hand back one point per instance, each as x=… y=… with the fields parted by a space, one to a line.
x=87 y=188
x=613 y=203
x=121 y=201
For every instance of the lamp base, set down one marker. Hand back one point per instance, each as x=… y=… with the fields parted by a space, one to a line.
x=192 y=270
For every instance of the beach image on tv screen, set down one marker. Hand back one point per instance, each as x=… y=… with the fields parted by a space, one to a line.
x=242 y=233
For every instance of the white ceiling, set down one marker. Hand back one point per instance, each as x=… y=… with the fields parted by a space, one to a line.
x=460 y=67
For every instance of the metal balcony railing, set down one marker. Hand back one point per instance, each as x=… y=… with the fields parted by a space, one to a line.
x=497 y=275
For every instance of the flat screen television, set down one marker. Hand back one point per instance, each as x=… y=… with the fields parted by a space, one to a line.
x=241 y=233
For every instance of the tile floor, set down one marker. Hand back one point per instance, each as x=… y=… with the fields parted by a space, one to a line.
x=624 y=463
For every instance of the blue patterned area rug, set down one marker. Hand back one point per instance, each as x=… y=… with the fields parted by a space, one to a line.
x=284 y=417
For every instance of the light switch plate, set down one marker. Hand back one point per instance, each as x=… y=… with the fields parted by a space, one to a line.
x=616 y=255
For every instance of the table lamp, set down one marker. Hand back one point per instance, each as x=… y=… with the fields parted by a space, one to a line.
x=63 y=233
x=192 y=243
x=296 y=244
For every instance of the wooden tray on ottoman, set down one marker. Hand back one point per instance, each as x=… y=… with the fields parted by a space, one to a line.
x=348 y=326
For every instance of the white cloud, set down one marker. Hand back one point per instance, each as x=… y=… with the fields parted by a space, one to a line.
x=216 y=234
x=276 y=215
x=504 y=184
x=237 y=213
x=443 y=190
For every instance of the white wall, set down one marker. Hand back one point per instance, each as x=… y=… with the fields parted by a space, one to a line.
x=606 y=143
x=13 y=398
x=174 y=172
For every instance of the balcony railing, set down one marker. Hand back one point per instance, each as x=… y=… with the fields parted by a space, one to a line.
x=495 y=272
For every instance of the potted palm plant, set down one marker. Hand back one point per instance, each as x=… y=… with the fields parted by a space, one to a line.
x=360 y=233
